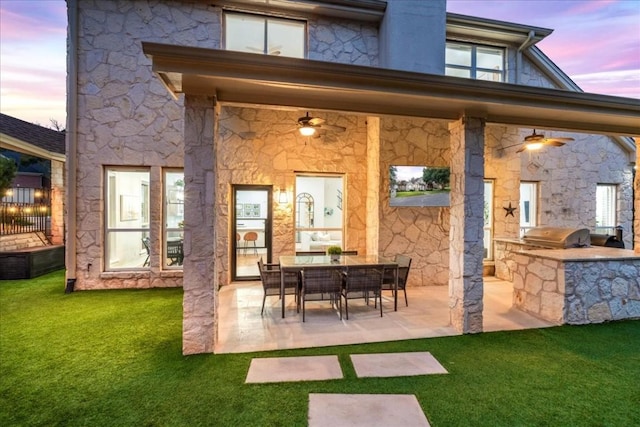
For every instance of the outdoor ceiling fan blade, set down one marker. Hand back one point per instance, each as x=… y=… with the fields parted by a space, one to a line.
x=521 y=149
x=316 y=121
x=561 y=139
x=333 y=128
x=555 y=143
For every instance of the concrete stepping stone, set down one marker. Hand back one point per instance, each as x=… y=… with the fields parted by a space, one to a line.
x=305 y=368
x=396 y=364
x=370 y=410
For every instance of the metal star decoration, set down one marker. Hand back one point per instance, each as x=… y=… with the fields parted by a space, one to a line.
x=510 y=210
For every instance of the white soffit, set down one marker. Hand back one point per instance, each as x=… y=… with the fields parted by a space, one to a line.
x=237 y=77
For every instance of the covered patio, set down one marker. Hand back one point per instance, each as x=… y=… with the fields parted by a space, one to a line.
x=211 y=79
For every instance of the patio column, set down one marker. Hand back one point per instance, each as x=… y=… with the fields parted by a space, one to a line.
x=466 y=231
x=57 y=202
x=199 y=317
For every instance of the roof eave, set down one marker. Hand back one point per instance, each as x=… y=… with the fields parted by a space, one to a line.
x=262 y=79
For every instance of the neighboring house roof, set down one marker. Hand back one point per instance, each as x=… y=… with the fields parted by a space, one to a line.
x=25 y=137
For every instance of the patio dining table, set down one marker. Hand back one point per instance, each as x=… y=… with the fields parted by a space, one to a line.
x=296 y=263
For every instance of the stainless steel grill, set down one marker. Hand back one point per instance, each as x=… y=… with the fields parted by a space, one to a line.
x=558 y=237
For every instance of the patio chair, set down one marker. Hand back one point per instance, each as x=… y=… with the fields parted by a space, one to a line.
x=321 y=283
x=349 y=252
x=270 y=277
x=363 y=281
x=404 y=263
x=147 y=243
x=310 y=253
x=175 y=252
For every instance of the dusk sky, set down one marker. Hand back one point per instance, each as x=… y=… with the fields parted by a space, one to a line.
x=596 y=42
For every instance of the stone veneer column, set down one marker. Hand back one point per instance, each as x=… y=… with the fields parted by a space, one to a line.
x=199 y=320
x=466 y=230
x=373 y=185
x=57 y=202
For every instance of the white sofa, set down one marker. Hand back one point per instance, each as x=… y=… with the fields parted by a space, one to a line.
x=318 y=241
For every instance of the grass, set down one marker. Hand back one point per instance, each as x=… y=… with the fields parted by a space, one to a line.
x=419 y=193
x=102 y=358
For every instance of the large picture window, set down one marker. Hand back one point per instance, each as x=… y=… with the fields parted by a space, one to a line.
x=173 y=218
x=319 y=205
x=606 y=208
x=127 y=214
x=474 y=61
x=265 y=35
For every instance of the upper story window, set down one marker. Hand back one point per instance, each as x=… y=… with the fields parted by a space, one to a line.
x=266 y=35
x=474 y=61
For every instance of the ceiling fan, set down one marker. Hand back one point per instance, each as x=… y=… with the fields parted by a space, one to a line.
x=309 y=126
x=536 y=141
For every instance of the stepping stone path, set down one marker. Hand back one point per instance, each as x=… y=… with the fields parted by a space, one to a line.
x=396 y=364
x=352 y=410
x=281 y=369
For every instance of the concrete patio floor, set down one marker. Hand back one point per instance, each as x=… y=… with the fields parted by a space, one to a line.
x=242 y=329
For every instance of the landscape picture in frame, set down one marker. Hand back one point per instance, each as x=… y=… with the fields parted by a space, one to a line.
x=419 y=186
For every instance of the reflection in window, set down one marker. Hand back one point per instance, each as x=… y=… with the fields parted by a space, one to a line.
x=474 y=62
x=265 y=35
x=319 y=209
x=606 y=209
x=127 y=214
x=174 y=218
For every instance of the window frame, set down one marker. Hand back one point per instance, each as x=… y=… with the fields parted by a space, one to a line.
x=267 y=19
x=109 y=200
x=488 y=223
x=533 y=210
x=612 y=190
x=340 y=206
x=473 y=68
x=165 y=223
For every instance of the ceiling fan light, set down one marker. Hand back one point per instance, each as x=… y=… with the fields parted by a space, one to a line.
x=532 y=146
x=307 y=130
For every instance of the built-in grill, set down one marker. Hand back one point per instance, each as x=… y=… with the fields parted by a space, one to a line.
x=558 y=237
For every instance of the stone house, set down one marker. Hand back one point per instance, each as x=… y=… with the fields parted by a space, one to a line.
x=183 y=132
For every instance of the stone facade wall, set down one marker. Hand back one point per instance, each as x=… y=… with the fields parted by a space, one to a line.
x=420 y=232
x=127 y=118
x=577 y=292
x=601 y=291
x=345 y=42
x=568 y=177
x=263 y=147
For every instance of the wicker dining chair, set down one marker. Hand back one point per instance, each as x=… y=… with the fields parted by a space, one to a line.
x=388 y=283
x=321 y=283
x=270 y=276
x=363 y=281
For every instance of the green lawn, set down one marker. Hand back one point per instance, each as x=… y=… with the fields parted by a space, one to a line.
x=113 y=358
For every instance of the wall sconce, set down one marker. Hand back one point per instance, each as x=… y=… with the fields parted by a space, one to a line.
x=282 y=197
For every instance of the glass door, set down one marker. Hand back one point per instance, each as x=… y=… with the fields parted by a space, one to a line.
x=252 y=230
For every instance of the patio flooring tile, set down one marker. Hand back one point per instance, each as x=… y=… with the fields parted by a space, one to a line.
x=242 y=329
x=396 y=364
x=304 y=368
x=370 y=410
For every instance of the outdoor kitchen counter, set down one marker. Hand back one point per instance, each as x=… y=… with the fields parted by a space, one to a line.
x=574 y=285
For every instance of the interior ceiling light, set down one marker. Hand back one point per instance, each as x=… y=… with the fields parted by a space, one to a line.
x=532 y=146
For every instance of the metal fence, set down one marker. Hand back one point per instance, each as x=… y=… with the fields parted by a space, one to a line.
x=25 y=210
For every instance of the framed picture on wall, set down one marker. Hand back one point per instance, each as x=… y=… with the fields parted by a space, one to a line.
x=129 y=208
